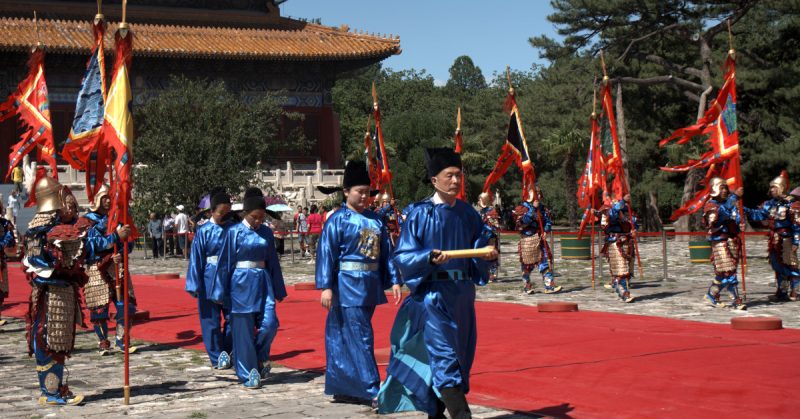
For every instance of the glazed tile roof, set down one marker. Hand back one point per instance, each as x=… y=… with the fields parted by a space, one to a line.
x=310 y=43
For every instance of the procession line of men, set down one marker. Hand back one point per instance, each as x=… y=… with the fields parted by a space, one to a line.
x=235 y=275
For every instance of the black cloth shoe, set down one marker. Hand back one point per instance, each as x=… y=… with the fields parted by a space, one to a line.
x=456 y=403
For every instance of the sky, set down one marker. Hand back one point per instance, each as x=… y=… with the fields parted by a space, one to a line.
x=494 y=33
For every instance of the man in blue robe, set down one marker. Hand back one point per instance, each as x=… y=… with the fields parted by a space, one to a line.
x=353 y=270
x=434 y=334
x=101 y=262
x=249 y=278
x=780 y=213
x=200 y=278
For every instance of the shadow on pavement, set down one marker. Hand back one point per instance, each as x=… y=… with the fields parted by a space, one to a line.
x=168 y=387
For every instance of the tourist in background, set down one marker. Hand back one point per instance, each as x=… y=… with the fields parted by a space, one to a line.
x=302 y=228
x=13 y=206
x=156 y=229
x=314 y=230
x=181 y=229
x=169 y=233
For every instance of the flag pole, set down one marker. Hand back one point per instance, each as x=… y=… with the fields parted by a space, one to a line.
x=123 y=31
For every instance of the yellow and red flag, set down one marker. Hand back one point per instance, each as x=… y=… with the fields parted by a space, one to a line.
x=723 y=158
x=85 y=149
x=515 y=150
x=31 y=104
x=118 y=130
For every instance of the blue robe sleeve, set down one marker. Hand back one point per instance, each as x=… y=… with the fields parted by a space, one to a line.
x=727 y=211
x=274 y=268
x=479 y=268
x=759 y=214
x=411 y=258
x=547 y=221
x=226 y=263
x=197 y=263
x=328 y=255
x=389 y=274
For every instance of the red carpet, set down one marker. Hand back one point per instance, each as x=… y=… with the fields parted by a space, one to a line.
x=584 y=364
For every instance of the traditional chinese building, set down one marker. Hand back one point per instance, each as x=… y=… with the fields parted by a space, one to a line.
x=245 y=43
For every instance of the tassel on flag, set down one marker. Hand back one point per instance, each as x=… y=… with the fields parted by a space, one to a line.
x=85 y=149
x=30 y=102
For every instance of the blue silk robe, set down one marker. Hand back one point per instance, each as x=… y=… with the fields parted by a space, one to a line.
x=250 y=292
x=434 y=335
x=200 y=277
x=350 y=237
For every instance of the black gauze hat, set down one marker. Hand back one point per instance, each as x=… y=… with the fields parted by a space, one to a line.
x=219 y=197
x=253 y=200
x=355 y=174
x=438 y=159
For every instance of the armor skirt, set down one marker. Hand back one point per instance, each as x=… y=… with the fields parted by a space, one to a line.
x=725 y=256
x=530 y=250
x=619 y=255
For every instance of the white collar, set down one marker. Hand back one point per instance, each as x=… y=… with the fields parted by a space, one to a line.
x=438 y=200
x=246 y=224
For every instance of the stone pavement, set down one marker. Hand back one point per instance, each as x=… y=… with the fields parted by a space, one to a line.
x=168 y=383
x=178 y=383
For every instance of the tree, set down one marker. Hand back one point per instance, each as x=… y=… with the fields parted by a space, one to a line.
x=465 y=76
x=197 y=135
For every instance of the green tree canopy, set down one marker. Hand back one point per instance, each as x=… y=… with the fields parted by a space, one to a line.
x=197 y=135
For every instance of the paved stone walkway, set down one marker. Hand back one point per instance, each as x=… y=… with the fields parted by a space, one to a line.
x=177 y=383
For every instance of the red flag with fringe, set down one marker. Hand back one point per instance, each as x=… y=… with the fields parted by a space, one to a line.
x=593 y=179
x=609 y=145
x=118 y=133
x=85 y=149
x=385 y=175
x=31 y=104
x=723 y=158
x=515 y=150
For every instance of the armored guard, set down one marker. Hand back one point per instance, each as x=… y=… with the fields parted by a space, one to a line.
x=534 y=222
x=617 y=224
x=53 y=264
x=781 y=213
x=721 y=216
x=7 y=239
x=491 y=222
x=101 y=265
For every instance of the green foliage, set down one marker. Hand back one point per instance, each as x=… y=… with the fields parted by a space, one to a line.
x=643 y=39
x=465 y=77
x=197 y=135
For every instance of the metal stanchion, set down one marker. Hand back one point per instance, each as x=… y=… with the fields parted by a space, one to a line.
x=600 y=258
x=291 y=242
x=664 y=253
